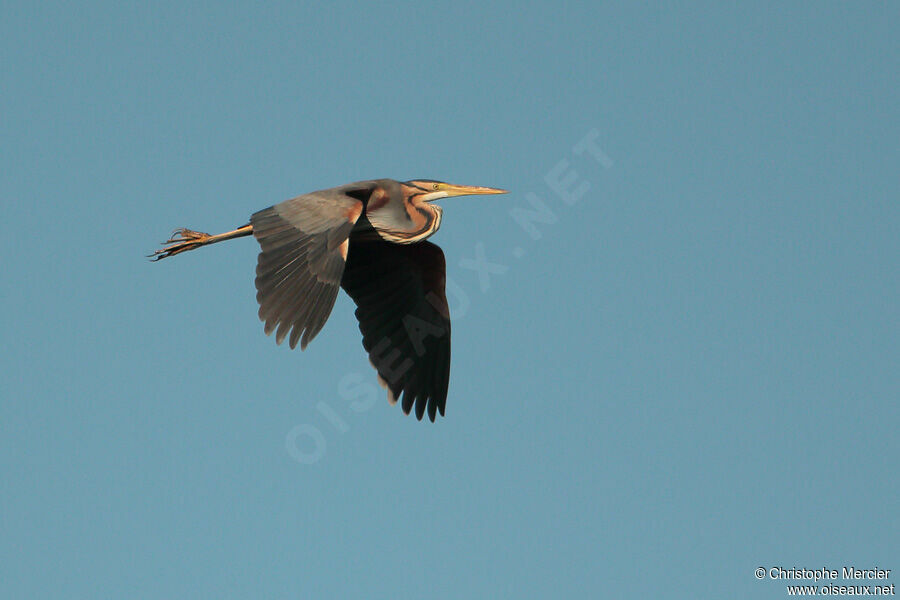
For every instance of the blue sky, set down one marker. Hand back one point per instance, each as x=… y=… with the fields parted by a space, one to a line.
x=687 y=373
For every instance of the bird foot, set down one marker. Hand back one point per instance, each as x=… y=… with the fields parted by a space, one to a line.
x=181 y=240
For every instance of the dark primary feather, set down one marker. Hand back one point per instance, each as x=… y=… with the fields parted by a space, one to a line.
x=404 y=318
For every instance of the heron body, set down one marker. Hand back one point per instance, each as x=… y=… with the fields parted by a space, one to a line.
x=368 y=238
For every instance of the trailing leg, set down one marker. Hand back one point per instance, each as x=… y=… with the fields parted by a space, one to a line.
x=183 y=240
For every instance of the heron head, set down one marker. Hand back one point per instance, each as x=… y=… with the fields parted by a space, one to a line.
x=427 y=190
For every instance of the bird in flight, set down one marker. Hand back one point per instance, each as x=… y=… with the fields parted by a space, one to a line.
x=369 y=238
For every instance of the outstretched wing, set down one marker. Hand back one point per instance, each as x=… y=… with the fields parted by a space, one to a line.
x=404 y=318
x=304 y=247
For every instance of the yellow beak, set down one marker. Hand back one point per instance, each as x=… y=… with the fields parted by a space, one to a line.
x=469 y=190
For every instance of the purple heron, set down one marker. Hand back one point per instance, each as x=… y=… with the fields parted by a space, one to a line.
x=367 y=237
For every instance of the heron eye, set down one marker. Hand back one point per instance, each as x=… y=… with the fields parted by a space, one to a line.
x=435 y=186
